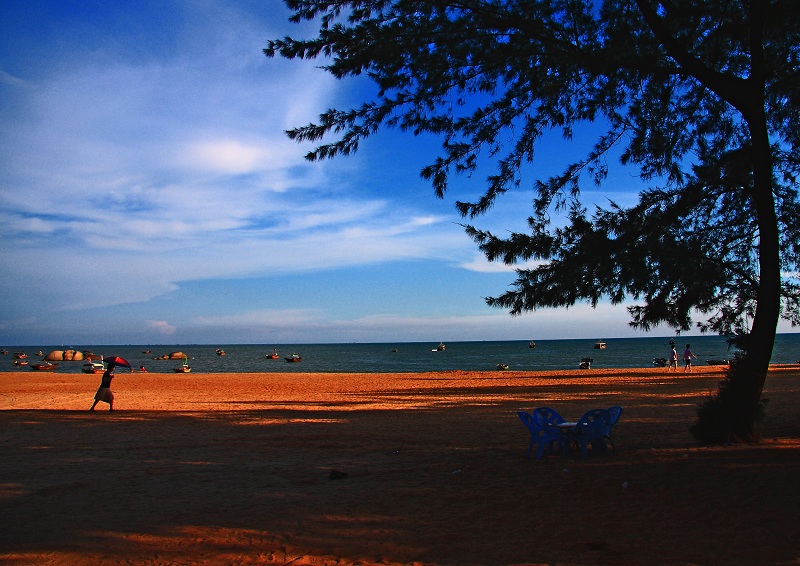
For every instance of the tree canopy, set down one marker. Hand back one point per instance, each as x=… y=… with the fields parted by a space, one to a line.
x=701 y=98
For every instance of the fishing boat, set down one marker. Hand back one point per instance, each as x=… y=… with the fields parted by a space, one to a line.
x=221 y=352
x=439 y=348
x=20 y=355
x=93 y=367
x=273 y=356
x=44 y=366
x=20 y=362
x=294 y=358
x=183 y=368
x=502 y=367
x=599 y=345
x=531 y=344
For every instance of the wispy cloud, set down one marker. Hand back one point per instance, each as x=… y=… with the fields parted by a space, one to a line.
x=182 y=160
x=292 y=325
x=480 y=264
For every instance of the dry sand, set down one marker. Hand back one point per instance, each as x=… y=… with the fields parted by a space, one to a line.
x=235 y=469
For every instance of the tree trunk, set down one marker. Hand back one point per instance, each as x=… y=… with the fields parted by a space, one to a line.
x=736 y=411
x=752 y=371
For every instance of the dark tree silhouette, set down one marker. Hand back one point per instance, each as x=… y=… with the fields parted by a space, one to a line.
x=700 y=97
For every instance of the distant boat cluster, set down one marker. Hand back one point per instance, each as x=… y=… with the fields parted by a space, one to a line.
x=99 y=367
x=499 y=355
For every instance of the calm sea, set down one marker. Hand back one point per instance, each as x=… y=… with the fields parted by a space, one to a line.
x=412 y=356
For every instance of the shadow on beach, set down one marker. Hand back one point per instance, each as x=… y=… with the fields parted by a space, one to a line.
x=434 y=476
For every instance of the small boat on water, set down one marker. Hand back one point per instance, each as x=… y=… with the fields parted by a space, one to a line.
x=294 y=358
x=660 y=362
x=20 y=355
x=273 y=356
x=44 y=366
x=93 y=367
x=183 y=368
x=221 y=352
x=20 y=362
x=502 y=367
x=439 y=348
x=531 y=344
x=599 y=345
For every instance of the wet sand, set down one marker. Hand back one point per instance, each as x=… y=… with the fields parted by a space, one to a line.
x=236 y=469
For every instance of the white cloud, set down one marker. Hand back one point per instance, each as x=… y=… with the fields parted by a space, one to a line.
x=480 y=264
x=161 y=327
x=226 y=156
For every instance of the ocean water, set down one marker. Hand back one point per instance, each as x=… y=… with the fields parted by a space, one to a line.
x=412 y=356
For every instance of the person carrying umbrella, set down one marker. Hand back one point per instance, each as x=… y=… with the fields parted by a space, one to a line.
x=104 y=392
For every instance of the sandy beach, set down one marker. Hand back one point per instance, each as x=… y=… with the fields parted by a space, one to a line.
x=225 y=469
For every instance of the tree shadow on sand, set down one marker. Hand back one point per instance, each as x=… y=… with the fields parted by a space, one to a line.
x=442 y=479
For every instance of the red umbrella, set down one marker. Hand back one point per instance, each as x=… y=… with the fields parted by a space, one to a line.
x=117 y=361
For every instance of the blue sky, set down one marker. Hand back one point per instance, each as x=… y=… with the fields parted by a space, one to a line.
x=149 y=194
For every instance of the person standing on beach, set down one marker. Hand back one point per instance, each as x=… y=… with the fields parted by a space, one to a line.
x=673 y=359
x=104 y=392
x=687 y=359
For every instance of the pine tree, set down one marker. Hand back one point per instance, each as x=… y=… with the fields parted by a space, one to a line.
x=700 y=97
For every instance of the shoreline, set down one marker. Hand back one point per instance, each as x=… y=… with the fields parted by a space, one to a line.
x=218 y=469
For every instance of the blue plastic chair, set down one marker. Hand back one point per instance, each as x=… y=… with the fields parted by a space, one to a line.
x=590 y=430
x=533 y=429
x=547 y=416
x=539 y=423
x=551 y=435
